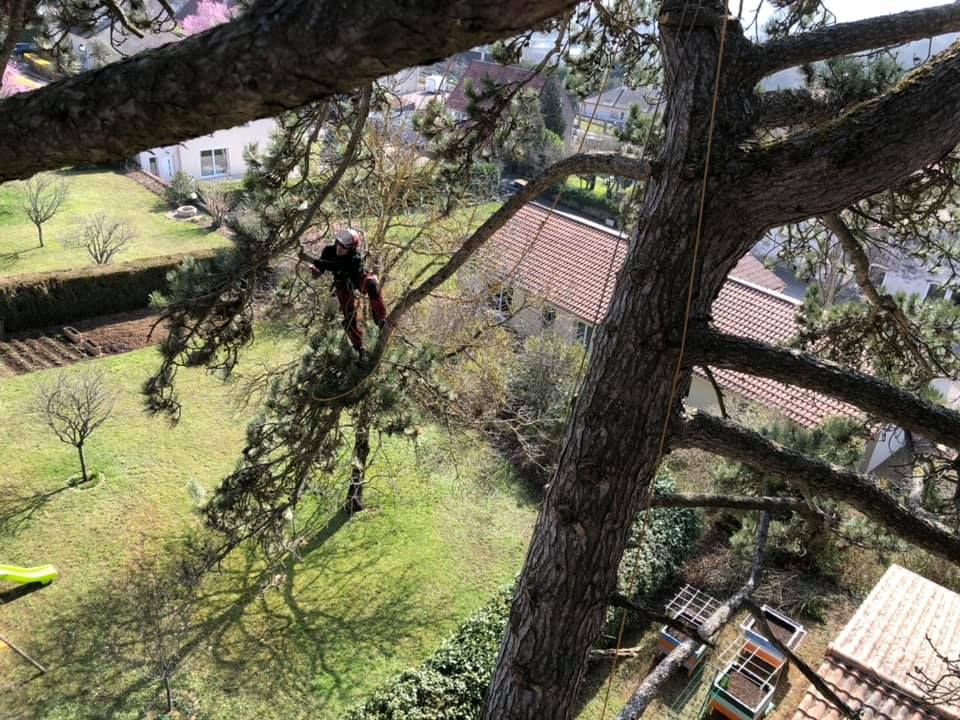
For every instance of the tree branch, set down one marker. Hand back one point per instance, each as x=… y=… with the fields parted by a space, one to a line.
x=875 y=396
x=18 y=10
x=805 y=670
x=852 y=37
x=718 y=391
x=647 y=614
x=785 y=108
x=884 y=303
x=265 y=61
x=872 y=146
x=775 y=505
x=737 y=443
x=588 y=163
x=641 y=698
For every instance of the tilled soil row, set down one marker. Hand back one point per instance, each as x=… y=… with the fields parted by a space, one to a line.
x=50 y=347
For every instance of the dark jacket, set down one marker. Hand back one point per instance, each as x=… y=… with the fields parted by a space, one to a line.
x=348 y=270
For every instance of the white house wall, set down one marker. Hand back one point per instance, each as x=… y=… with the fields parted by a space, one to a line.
x=185 y=156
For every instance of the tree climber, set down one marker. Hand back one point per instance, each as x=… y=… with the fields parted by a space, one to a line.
x=343 y=259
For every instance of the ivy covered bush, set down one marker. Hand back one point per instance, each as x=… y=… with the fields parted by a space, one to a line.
x=669 y=538
x=452 y=683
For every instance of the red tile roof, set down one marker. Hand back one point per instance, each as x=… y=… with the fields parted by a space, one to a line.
x=572 y=264
x=754 y=271
x=479 y=73
x=871 y=659
x=861 y=691
x=751 y=311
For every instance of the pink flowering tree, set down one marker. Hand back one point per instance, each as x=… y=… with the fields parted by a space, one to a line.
x=209 y=13
x=13 y=82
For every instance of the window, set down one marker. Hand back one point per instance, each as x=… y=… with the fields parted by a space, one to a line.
x=935 y=291
x=500 y=298
x=213 y=162
x=584 y=334
x=547 y=317
x=154 y=166
x=878 y=274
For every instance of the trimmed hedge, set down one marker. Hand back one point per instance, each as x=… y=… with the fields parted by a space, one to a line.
x=452 y=683
x=41 y=299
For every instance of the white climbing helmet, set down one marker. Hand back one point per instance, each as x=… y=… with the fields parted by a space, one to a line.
x=348 y=237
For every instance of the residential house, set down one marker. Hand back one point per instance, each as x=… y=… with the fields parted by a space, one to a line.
x=221 y=155
x=480 y=75
x=907 y=624
x=404 y=82
x=613 y=106
x=896 y=272
x=557 y=271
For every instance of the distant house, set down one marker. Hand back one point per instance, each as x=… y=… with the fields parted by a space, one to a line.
x=613 y=106
x=565 y=280
x=480 y=74
x=871 y=665
x=217 y=156
x=404 y=82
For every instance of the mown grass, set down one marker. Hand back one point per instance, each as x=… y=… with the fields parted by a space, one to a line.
x=89 y=193
x=366 y=599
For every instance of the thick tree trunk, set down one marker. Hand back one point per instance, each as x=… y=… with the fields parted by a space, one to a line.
x=611 y=450
x=361 y=451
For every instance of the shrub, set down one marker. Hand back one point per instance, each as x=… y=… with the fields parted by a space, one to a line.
x=669 y=538
x=218 y=201
x=181 y=190
x=43 y=299
x=586 y=200
x=452 y=683
x=539 y=387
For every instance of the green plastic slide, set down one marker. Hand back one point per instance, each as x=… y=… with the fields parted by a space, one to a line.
x=45 y=574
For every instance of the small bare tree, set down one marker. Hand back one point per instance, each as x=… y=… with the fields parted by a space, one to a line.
x=164 y=597
x=218 y=203
x=42 y=196
x=74 y=405
x=103 y=237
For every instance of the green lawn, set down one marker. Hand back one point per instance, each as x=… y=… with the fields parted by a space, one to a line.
x=367 y=599
x=92 y=192
x=599 y=190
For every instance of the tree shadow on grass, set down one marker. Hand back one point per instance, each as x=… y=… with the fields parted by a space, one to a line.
x=16 y=510
x=300 y=640
x=10 y=259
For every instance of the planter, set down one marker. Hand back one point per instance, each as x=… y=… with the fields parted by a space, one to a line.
x=184 y=212
x=787 y=631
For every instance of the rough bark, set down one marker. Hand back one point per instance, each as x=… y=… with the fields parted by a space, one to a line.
x=734 y=502
x=878 y=398
x=361 y=451
x=820 y=479
x=644 y=694
x=853 y=37
x=18 y=11
x=611 y=448
x=277 y=56
x=869 y=148
x=785 y=108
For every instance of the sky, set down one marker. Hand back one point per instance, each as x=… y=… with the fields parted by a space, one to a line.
x=849 y=10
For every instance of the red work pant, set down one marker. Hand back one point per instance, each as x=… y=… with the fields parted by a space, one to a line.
x=348 y=305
